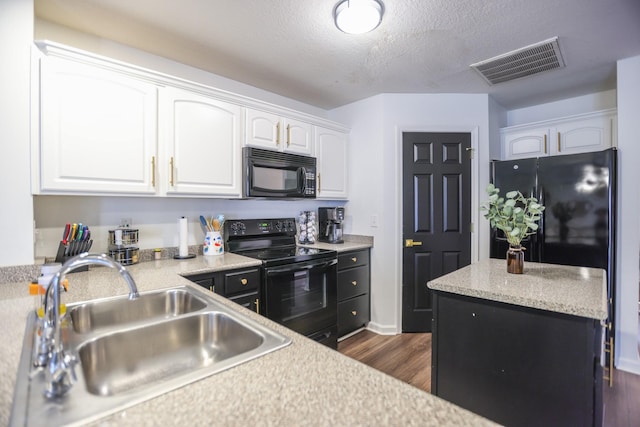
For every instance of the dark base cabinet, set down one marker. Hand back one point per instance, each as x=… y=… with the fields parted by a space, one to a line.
x=515 y=365
x=353 y=290
x=241 y=286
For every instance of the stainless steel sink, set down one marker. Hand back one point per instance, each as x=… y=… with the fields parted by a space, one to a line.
x=107 y=313
x=131 y=353
x=125 y=360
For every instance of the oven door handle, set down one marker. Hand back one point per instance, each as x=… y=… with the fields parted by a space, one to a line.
x=298 y=267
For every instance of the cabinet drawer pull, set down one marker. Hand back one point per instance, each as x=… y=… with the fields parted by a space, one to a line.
x=354 y=283
x=545 y=144
x=278 y=134
x=559 y=146
x=244 y=281
x=354 y=259
x=288 y=135
x=354 y=312
x=257 y=301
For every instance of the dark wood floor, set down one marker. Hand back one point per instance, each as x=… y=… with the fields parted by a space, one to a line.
x=408 y=358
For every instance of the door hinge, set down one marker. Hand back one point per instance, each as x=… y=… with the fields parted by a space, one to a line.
x=470 y=151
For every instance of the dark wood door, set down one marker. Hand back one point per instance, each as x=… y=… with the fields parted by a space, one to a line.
x=436 y=216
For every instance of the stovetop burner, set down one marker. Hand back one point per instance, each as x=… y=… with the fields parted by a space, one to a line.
x=285 y=255
x=273 y=241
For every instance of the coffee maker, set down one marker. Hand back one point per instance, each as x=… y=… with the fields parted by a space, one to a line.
x=330 y=220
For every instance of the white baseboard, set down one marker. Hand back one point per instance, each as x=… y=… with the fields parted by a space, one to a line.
x=382 y=329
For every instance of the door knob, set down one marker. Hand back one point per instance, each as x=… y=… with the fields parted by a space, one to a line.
x=409 y=243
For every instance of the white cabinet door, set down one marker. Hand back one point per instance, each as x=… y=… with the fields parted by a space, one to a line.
x=97 y=130
x=331 y=153
x=298 y=137
x=522 y=144
x=579 y=136
x=262 y=130
x=201 y=136
x=274 y=132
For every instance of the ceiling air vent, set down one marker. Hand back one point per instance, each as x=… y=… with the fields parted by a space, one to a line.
x=529 y=60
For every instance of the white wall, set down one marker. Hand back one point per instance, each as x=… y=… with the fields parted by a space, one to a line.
x=566 y=107
x=376 y=125
x=155 y=218
x=16 y=214
x=628 y=244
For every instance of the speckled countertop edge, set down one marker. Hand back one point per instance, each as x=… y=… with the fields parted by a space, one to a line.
x=578 y=291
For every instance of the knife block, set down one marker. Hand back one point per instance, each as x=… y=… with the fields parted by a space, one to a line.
x=71 y=249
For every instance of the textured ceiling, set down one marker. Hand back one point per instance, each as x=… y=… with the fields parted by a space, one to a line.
x=292 y=48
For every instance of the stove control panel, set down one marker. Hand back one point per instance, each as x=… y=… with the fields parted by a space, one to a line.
x=257 y=227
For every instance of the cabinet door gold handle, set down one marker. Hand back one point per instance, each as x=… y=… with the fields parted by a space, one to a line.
x=559 y=146
x=211 y=288
x=278 y=133
x=409 y=243
x=319 y=184
x=257 y=301
x=545 y=144
x=244 y=281
x=354 y=283
x=354 y=312
x=171 y=176
x=288 y=135
x=354 y=259
x=153 y=171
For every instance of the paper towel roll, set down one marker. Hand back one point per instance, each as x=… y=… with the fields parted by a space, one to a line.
x=183 y=231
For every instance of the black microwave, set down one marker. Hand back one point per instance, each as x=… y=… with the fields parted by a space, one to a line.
x=279 y=175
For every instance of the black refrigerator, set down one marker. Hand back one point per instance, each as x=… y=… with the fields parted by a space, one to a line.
x=578 y=224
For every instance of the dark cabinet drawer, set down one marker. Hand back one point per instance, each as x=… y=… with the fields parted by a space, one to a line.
x=353 y=282
x=206 y=280
x=248 y=301
x=353 y=259
x=241 y=281
x=353 y=314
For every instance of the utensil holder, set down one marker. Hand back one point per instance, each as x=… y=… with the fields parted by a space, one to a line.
x=72 y=249
x=213 y=244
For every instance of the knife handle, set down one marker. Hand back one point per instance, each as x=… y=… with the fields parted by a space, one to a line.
x=65 y=235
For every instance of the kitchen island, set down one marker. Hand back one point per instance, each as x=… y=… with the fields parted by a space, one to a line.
x=304 y=383
x=521 y=349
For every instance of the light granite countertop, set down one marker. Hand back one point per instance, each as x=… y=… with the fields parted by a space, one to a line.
x=303 y=384
x=578 y=291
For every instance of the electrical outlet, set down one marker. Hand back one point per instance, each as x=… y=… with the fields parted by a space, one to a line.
x=374 y=220
x=126 y=222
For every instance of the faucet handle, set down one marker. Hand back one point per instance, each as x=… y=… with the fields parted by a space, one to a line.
x=62 y=374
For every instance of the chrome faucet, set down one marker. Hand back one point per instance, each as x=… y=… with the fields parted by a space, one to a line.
x=60 y=367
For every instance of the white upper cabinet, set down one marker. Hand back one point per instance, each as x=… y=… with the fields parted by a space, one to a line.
x=103 y=127
x=578 y=134
x=273 y=132
x=331 y=153
x=97 y=130
x=201 y=137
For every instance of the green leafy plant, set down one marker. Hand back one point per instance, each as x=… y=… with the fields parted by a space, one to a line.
x=514 y=214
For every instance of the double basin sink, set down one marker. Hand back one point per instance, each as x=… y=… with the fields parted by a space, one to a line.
x=129 y=351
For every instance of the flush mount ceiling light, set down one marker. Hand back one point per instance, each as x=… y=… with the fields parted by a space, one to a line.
x=358 y=16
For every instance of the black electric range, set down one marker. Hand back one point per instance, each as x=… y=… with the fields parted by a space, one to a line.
x=299 y=284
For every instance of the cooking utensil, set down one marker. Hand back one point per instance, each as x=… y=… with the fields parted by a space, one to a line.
x=204 y=223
